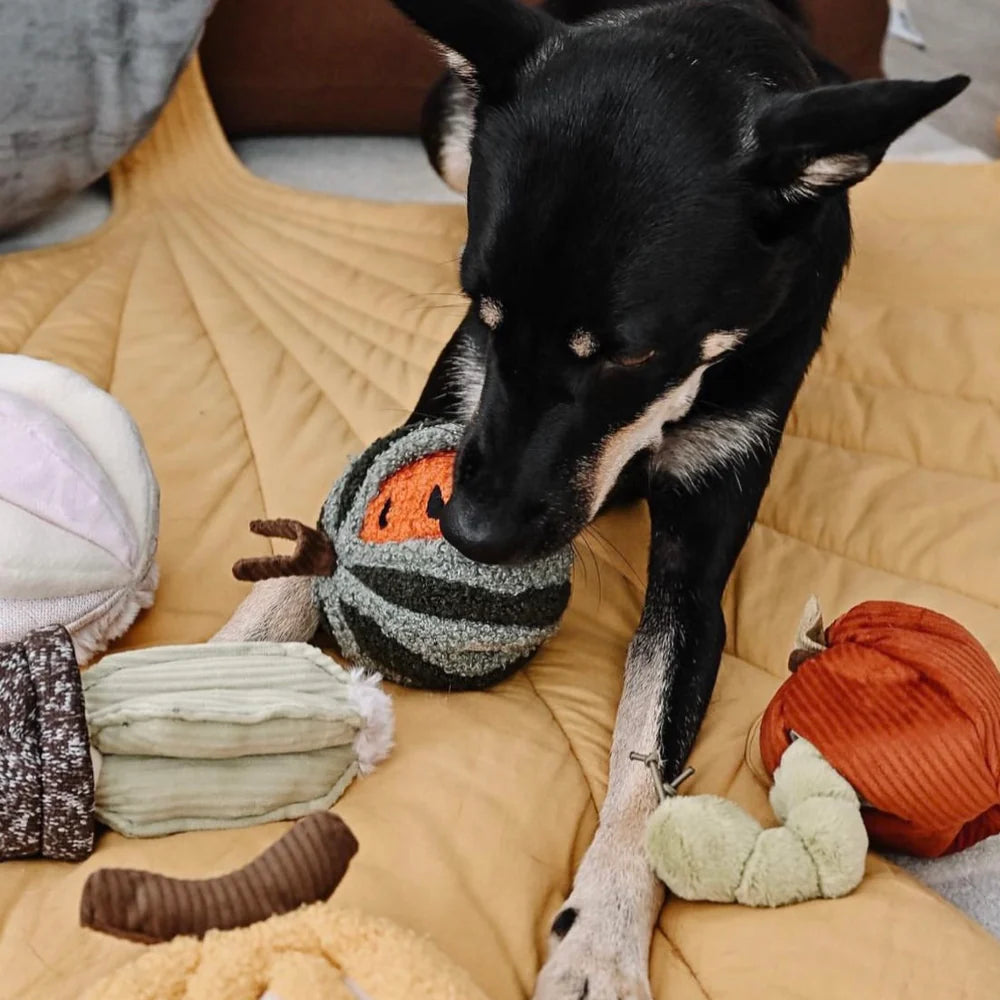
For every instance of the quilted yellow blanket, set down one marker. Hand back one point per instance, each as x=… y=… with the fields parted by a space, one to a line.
x=261 y=335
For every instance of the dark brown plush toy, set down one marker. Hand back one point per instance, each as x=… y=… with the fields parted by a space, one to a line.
x=304 y=866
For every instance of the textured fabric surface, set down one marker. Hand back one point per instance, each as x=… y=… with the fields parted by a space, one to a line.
x=969 y=879
x=82 y=82
x=707 y=848
x=79 y=507
x=403 y=601
x=904 y=703
x=260 y=336
x=228 y=734
x=306 y=865
x=319 y=951
x=46 y=777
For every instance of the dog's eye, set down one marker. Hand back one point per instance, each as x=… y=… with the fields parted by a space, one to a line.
x=633 y=360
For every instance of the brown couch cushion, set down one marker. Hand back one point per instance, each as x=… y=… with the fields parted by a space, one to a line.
x=316 y=66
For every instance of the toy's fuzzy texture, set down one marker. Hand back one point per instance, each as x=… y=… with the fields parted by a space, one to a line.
x=306 y=864
x=905 y=703
x=316 y=951
x=228 y=734
x=79 y=508
x=705 y=847
x=46 y=776
x=260 y=942
x=400 y=599
x=404 y=601
x=970 y=879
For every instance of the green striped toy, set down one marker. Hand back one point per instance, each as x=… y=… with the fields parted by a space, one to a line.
x=394 y=594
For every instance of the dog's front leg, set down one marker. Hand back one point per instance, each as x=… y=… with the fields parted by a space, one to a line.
x=600 y=939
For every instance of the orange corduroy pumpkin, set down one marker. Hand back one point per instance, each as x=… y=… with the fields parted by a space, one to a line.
x=905 y=704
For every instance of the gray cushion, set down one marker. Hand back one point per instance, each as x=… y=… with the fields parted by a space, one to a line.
x=80 y=83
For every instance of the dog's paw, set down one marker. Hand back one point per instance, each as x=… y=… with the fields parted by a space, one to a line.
x=592 y=959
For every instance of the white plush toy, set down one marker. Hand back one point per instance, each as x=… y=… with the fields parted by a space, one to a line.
x=79 y=508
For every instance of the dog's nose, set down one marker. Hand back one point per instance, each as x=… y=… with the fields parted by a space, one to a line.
x=485 y=536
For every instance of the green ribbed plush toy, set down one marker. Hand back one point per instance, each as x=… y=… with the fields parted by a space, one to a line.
x=392 y=592
x=173 y=738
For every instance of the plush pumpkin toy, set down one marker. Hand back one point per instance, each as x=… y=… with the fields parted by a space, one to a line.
x=395 y=596
x=888 y=729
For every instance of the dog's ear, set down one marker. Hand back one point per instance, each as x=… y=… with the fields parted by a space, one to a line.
x=485 y=39
x=805 y=145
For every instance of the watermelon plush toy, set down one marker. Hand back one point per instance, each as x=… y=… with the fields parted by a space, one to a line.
x=393 y=593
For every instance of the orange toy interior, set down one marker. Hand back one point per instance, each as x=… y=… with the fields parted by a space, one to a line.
x=408 y=503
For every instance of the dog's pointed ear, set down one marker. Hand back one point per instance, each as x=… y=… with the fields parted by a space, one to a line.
x=805 y=145
x=485 y=39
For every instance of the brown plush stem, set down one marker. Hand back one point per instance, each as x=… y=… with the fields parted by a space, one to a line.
x=304 y=866
x=313 y=555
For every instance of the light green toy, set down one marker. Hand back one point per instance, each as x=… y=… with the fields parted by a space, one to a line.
x=227 y=734
x=705 y=847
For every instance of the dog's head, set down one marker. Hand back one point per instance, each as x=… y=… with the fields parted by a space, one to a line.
x=643 y=196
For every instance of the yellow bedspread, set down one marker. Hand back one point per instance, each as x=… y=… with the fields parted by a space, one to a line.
x=260 y=335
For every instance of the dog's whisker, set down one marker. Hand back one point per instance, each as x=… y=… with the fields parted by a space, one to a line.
x=578 y=560
x=614 y=548
x=583 y=536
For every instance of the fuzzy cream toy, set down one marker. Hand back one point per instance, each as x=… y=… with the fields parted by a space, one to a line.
x=882 y=713
x=706 y=847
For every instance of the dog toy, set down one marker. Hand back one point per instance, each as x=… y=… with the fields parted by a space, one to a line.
x=887 y=728
x=394 y=595
x=303 y=866
x=79 y=508
x=47 y=791
x=318 y=950
x=175 y=738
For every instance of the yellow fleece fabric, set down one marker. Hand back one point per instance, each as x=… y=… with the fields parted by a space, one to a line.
x=318 y=951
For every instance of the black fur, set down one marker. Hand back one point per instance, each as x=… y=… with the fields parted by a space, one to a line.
x=648 y=179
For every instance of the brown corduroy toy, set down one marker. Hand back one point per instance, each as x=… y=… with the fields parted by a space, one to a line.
x=304 y=866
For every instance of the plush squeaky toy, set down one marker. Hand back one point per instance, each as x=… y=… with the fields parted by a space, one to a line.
x=886 y=730
x=172 y=738
x=264 y=932
x=79 y=508
x=392 y=592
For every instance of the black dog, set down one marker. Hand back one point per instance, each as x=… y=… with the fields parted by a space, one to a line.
x=658 y=222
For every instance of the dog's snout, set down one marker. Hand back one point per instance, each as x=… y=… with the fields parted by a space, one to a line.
x=470 y=460
x=485 y=535
x=500 y=510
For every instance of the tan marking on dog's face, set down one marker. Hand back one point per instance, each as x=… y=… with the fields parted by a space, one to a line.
x=583 y=344
x=490 y=312
x=600 y=474
x=718 y=343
